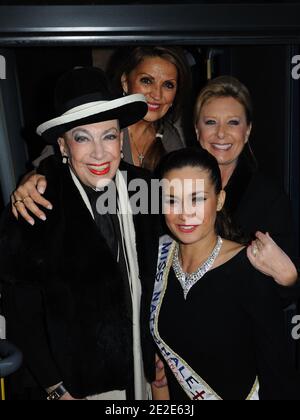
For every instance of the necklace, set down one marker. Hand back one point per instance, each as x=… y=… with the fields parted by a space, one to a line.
x=186 y=280
x=141 y=155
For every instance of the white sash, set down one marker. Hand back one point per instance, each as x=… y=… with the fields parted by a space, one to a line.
x=193 y=385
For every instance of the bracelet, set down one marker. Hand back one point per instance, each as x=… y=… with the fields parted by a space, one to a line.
x=57 y=393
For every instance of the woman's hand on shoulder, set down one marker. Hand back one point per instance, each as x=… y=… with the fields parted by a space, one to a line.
x=268 y=258
x=28 y=196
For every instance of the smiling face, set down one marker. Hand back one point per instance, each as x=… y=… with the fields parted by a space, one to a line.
x=191 y=204
x=94 y=152
x=157 y=80
x=223 y=130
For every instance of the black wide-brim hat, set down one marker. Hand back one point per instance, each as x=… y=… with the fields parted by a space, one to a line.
x=82 y=97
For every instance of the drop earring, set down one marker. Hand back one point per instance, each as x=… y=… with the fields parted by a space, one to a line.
x=122 y=155
x=65 y=160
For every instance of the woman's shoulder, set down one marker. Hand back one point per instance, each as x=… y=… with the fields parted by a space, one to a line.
x=233 y=258
x=134 y=172
x=46 y=152
x=172 y=137
x=254 y=183
x=265 y=185
x=57 y=174
x=245 y=278
x=231 y=253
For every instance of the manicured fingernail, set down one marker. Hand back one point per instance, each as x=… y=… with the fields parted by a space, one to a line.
x=44 y=218
x=31 y=222
x=50 y=207
x=41 y=190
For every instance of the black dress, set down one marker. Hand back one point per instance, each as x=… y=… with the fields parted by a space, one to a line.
x=230 y=330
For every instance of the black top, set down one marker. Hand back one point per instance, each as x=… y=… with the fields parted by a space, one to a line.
x=255 y=203
x=229 y=330
x=109 y=227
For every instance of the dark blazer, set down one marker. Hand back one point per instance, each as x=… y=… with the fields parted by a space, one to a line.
x=255 y=203
x=63 y=295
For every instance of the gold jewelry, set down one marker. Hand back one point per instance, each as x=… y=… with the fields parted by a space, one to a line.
x=18 y=201
x=255 y=250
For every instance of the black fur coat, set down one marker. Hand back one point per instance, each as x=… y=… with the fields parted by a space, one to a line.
x=63 y=295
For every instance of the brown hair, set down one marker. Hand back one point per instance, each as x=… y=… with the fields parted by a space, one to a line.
x=127 y=60
x=224 y=87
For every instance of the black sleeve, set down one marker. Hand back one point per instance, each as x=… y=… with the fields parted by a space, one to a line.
x=50 y=167
x=22 y=299
x=26 y=327
x=280 y=225
x=46 y=152
x=289 y=295
x=277 y=377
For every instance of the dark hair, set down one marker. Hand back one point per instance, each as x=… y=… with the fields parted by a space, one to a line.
x=199 y=158
x=125 y=61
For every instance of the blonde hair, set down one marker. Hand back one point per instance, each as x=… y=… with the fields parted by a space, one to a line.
x=224 y=87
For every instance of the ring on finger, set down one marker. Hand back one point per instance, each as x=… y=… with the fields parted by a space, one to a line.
x=255 y=250
x=17 y=202
x=25 y=198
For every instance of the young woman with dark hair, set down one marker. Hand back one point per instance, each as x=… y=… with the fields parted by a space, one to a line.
x=217 y=322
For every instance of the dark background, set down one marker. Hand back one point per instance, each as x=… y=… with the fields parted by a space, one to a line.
x=264 y=69
x=112 y=2
x=254 y=43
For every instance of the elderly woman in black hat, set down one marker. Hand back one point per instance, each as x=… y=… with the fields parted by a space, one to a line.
x=73 y=286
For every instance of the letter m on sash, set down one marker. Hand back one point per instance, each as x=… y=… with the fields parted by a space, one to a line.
x=2 y=67
x=165 y=248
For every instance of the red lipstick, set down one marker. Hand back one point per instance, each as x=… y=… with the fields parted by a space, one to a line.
x=104 y=171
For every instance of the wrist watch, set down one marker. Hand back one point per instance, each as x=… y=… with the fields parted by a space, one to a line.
x=57 y=393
